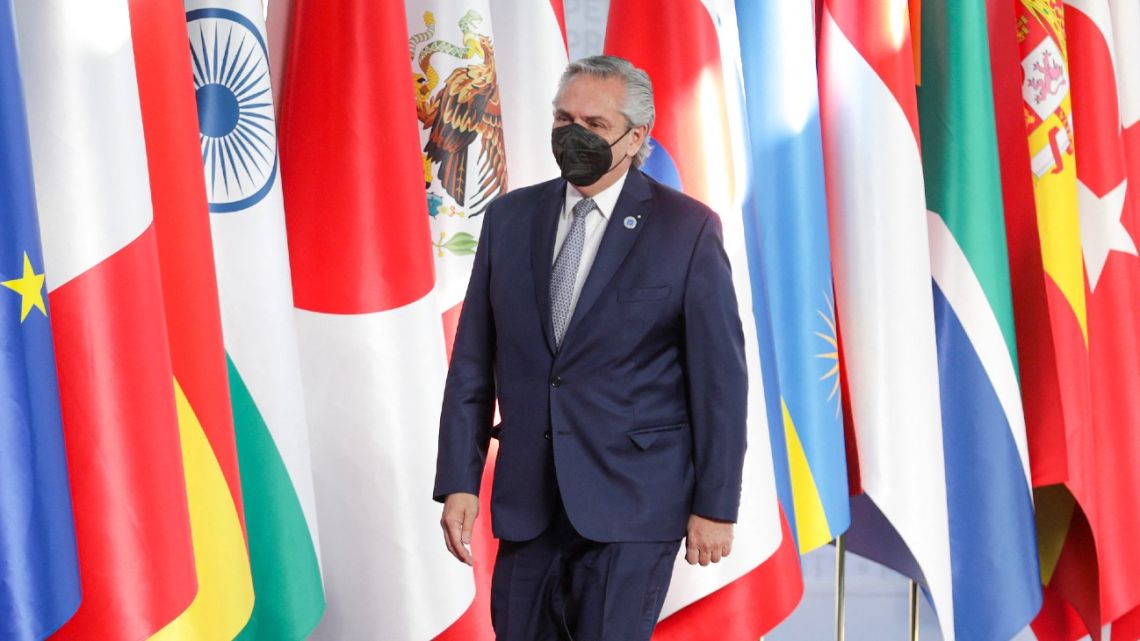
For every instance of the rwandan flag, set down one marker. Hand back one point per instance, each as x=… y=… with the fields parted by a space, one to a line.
x=39 y=571
x=789 y=255
x=993 y=556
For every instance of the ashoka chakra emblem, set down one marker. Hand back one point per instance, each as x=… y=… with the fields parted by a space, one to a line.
x=235 y=108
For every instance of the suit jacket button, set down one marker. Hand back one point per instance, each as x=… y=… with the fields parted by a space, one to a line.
x=556 y=381
x=546 y=435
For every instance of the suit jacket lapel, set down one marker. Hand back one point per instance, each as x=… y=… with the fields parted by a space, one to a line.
x=544 y=230
x=616 y=243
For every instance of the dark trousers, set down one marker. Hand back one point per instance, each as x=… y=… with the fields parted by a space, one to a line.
x=562 y=587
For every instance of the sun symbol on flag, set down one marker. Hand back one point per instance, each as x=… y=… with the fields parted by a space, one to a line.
x=831 y=357
x=235 y=108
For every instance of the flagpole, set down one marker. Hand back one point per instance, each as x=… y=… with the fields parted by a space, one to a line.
x=840 y=587
x=913 y=611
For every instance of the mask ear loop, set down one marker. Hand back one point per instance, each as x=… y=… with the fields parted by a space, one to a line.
x=627 y=130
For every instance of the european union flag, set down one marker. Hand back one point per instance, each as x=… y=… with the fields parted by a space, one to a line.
x=39 y=571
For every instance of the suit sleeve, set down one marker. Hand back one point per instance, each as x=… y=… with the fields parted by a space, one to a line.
x=469 y=395
x=717 y=377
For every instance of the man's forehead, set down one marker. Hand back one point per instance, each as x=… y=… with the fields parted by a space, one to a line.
x=592 y=93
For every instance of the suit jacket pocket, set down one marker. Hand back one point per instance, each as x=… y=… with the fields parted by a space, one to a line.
x=644 y=437
x=632 y=294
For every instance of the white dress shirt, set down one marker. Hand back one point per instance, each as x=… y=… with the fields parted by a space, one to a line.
x=596 y=221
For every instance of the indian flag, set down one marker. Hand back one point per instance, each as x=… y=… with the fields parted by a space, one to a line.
x=229 y=63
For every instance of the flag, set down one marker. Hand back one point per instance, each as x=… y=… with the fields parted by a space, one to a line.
x=459 y=109
x=1106 y=111
x=1125 y=17
x=229 y=63
x=1036 y=358
x=790 y=254
x=1039 y=360
x=993 y=552
x=879 y=234
x=530 y=56
x=1105 y=107
x=39 y=571
x=372 y=350
x=699 y=106
x=530 y=39
x=1045 y=92
x=116 y=384
x=1059 y=446
x=181 y=223
x=1126 y=33
x=447 y=43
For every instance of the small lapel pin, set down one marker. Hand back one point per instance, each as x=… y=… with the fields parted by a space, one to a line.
x=630 y=222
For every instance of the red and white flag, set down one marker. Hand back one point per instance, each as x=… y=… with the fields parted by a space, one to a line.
x=372 y=351
x=1126 y=30
x=1106 y=111
x=883 y=292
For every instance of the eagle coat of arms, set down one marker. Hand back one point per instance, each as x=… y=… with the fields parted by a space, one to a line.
x=458 y=112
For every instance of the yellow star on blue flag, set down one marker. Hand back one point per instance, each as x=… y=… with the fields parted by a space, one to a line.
x=30 y=287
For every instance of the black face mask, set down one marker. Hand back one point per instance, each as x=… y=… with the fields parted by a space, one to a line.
x=582 y=155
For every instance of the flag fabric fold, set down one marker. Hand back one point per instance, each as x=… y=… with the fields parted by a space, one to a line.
x=39 y=571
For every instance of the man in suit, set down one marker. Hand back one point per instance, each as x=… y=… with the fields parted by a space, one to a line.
x=601 y=315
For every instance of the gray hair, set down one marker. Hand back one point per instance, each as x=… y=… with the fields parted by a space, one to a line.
x=638 y=104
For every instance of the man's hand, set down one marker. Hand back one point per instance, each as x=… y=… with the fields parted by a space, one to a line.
x=707 y=540
x=459 y=512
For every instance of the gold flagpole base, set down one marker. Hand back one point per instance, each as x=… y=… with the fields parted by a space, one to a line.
x=840 y=587
x=913 y=611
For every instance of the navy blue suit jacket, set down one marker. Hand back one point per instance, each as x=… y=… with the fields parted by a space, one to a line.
x=638 y=420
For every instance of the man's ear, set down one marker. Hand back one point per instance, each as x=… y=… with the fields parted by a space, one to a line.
x=637 y=139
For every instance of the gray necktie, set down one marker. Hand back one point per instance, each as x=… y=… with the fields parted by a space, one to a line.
x=566 y=269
